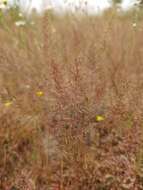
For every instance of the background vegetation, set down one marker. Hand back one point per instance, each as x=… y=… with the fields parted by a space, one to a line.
x=71 y=101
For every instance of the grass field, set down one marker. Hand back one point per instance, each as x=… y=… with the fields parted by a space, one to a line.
x=71 y=102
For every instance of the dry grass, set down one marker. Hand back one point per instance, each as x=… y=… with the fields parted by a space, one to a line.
x=55 y=78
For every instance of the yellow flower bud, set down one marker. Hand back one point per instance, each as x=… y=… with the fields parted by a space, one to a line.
x=39 y=93
x=100 y=118
x=8 y=103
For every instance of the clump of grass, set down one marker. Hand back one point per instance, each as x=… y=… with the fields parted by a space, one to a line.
x=71 y=103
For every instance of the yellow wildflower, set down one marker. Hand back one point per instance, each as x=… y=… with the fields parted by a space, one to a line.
x=39 y=93
x=8 y=103
x=100 y=118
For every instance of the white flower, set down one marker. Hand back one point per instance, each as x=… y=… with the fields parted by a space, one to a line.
x=134 y=25
x=20 y=23
x=20 y=15
x=2 y=6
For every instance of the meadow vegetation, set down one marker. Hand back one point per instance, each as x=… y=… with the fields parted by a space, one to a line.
x=71 y=101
